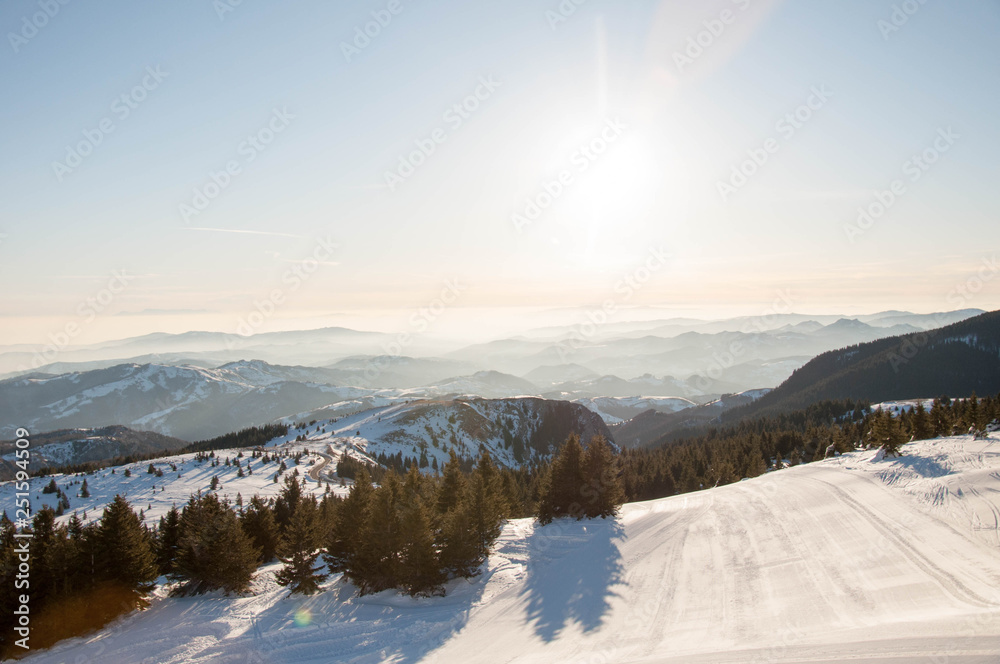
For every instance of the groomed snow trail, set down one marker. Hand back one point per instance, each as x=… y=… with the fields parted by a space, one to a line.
x=846 y=560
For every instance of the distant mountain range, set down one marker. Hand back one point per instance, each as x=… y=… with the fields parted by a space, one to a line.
x=742 y=358
x=210 y=349
x=188 y=403
x=196 y=403
x=955 y=360
x=193 y=402
x=702 y=359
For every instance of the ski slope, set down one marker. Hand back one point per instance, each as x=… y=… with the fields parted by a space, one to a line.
x=845 y=560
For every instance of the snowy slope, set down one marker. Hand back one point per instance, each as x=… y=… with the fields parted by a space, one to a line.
x=897 y=407
x=846 y=560
x=155 y=495
x=466 y=425
x=407 y=429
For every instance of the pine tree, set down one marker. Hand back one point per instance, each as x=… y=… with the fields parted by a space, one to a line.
x=44 y=533
x=459 y=553
x=452 y=486
x=887 y=434
x=546 y=498
x=299 y=549
x=842 y=441
x=602 y=493
x=377 y=565
x=420 y=570
x=60 y=562
x=972 y=420
x=941 y=419
x=84 y=490
x=287 y=502
x=75 y=526
x=168 y=540
x=921 y=423
x=125 y=554
x=214 y=551
x=258 y=523
x=562 y=484
x=487 y=508
x=328 y=507
x=349 y=522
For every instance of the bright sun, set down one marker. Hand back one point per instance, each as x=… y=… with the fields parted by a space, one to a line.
x=619 y=186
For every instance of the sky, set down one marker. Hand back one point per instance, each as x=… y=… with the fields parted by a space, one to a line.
x=259 y=165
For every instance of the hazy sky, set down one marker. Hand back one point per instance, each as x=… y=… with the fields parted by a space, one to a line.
x=116 y=115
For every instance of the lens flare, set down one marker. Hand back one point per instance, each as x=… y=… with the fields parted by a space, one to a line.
x=303 y=618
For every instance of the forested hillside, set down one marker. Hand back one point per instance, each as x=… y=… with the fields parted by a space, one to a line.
x=958 y=360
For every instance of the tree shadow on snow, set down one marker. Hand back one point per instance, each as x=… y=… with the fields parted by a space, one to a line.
x=339 y=625
x=573 y=567
x=922 y=465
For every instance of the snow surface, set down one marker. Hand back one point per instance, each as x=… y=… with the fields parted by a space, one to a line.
x=844 y=560
x=894 y=408
x=156 y=495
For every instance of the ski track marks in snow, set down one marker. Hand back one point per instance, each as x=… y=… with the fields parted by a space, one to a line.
x=846 y=560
